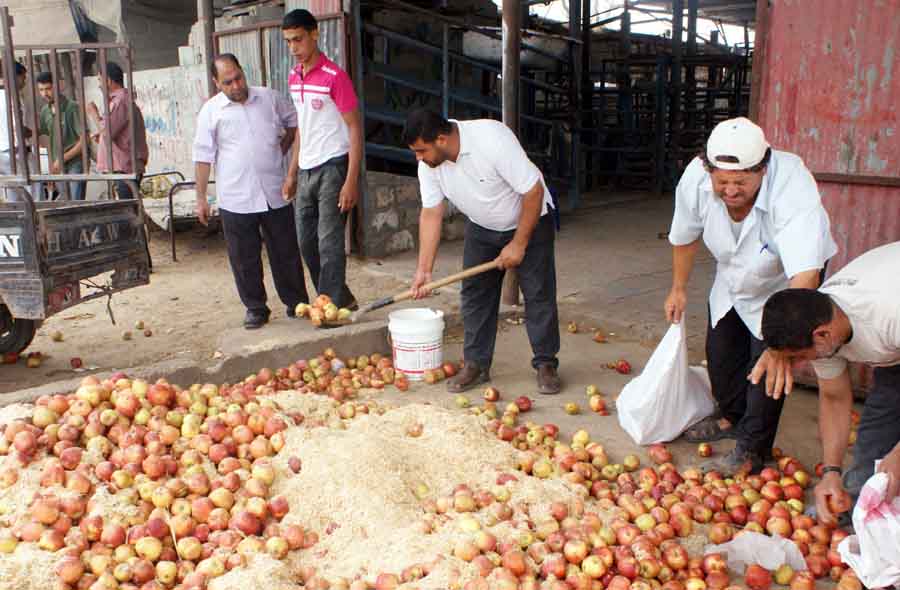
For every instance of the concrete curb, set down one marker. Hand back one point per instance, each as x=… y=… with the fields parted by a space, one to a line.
x=353 y=340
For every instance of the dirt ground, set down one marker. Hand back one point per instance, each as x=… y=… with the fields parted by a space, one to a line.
x=188 y=306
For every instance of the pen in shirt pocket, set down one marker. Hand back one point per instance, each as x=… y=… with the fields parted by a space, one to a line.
x=764 y=248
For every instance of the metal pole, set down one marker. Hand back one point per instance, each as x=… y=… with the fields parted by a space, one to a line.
x=82 y=113
x=132 y=128
x=757 y=79
x=107 y=136
x=445 y=71
x=205 y=17
x=691 y=95
x=357 y=62
x=12 y=96
x=577 y=89
x=675 y=108
x=512 y=46
x=35 y=138
x=512 y=43
x=57 y=142
x=587 y=88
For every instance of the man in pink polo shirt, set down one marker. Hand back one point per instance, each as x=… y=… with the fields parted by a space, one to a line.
x=327 y=157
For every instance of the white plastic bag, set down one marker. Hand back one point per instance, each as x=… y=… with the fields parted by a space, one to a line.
x=769 y=552
x=668 y=397
x=874 y=551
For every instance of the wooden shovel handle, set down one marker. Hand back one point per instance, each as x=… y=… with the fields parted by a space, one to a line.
x=449 y=280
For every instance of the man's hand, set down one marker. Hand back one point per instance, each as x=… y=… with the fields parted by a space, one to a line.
x=420 y=279
x=675 y=304
x=203 y=210
x=349 y=196
x=289 y=188
x=511 y=256
x=777 y=368
x=891 y=466
x=55 y=167
x=92 y=110
x=830 y=485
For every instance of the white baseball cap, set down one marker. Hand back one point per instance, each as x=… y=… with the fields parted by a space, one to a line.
x=740 y=139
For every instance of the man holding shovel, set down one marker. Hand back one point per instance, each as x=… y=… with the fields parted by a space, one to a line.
x=759 y=213
x=482 y=169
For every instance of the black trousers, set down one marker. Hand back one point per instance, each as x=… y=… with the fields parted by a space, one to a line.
x=481 y=294
x=731 y=353
x=244 y=236
x=879 y=427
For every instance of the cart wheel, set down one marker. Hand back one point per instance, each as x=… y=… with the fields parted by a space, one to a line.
x=15 y=333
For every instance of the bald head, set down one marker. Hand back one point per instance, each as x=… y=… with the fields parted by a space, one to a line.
x=229 y=77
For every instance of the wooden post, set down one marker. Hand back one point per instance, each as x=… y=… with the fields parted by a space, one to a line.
x=512 y=44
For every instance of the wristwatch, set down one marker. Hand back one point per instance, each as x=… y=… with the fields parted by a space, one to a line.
x=830 y=468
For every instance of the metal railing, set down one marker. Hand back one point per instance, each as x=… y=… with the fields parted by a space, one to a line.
x=25 y=163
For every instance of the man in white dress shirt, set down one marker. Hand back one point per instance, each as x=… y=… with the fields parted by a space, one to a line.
x=760 y=215
x=246 y=132
x=481 y=167
x=853 y=317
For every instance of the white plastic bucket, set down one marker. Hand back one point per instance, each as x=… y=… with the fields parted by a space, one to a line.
x=417 y=337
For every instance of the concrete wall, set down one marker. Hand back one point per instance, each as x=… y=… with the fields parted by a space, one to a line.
x=391 y=216
x=169 y=99
x=155 y=41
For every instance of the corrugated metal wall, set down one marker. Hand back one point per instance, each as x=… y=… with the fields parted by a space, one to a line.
x=829 y=92
x=245 y=46
x=830 y=82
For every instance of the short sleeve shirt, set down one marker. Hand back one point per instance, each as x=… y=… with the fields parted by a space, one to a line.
x=69 y=124
x=787 y=232
x=244 y=142
x=322 y=96
x=868 y=291
x=488 y=179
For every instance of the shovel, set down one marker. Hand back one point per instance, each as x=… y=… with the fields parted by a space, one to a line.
x=408 y=294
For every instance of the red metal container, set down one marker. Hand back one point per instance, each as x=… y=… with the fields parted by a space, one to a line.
x=829 y=82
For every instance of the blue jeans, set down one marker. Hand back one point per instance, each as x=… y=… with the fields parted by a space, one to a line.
x=76 y=188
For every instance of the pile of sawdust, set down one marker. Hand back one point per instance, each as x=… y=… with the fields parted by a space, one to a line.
x=28 y=568
x=362 y=480
x=13 y=412
x=15 y=499
x=262 y=571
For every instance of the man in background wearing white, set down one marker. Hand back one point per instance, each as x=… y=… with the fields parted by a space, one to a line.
x=246 y=131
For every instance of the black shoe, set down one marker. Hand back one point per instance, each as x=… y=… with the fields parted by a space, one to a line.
x=255 y=319
x=739 y=460
x=353 y=305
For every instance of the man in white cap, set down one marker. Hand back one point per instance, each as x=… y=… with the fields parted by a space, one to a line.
x=760 y=215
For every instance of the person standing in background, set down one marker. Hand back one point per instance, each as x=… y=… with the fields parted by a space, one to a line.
x=327 y=157
x=119 y=132
x=72 y=134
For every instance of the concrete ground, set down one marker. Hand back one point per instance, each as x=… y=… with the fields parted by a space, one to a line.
x=614 y=271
